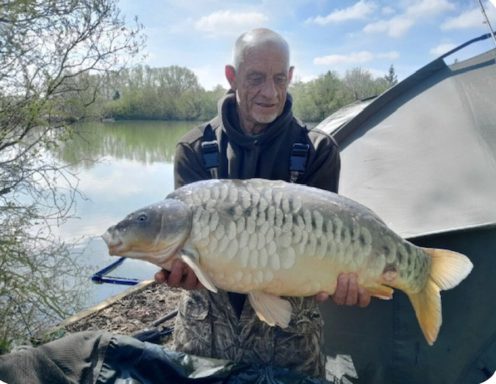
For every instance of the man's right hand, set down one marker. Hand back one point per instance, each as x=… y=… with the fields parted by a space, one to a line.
x=180 y=276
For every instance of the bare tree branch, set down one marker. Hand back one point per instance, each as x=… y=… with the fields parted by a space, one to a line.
x=50 y=53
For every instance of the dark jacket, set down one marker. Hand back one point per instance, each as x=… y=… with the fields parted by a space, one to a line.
x=265 y=155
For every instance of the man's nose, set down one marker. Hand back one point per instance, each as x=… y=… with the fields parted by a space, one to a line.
x=269 y=89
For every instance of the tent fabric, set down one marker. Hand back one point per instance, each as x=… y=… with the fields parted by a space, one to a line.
x=423 y=157
x=423 y=154
x=94 y=357
x=385 y=340
x=344 y=115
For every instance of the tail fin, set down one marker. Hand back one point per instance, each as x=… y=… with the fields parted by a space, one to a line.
x=448 y=269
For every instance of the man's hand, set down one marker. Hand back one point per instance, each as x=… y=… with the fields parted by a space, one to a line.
x=180 y=276
x=348 y=292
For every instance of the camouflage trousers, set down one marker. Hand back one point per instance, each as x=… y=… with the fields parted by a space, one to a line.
x=208 y=326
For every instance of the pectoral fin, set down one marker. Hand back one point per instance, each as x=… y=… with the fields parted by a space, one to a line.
x=192 y=261
x=271 y=309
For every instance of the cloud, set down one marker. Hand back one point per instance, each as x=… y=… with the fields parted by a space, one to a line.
x=399 y=25
x=387 y=10
x=357 y=11
x=395 y=27
x=354 y=58
x=429 y=8
x=441 y=49
x=222 y=22
x=469 y=19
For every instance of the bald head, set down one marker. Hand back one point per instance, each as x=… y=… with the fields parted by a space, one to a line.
x=258 y=38
x=259 y=76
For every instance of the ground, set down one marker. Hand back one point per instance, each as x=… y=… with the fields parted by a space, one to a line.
x=133 y=311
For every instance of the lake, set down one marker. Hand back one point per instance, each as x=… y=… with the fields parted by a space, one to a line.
x=133 y=168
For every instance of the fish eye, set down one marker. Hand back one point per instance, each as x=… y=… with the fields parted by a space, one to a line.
x=142 y=218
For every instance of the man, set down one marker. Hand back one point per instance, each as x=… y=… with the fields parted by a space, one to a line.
x=255 y=133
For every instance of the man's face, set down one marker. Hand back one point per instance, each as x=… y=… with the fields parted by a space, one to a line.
x=261 y=84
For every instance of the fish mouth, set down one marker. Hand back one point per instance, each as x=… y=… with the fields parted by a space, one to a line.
x=115 y=245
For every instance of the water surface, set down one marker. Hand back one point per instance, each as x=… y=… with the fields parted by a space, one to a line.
x=133 y=169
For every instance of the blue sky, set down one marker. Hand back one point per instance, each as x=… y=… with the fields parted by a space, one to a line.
x=323 y=35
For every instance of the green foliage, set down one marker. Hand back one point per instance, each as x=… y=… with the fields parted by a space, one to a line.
x=361 y=84
x=315 y=100
x=174 y=93
x=168 y=93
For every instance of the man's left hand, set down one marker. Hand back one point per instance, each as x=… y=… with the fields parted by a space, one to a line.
x=348 y=292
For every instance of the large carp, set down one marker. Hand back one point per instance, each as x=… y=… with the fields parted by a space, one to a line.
x=272 y=238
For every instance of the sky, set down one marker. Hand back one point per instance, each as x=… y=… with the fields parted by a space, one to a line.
x=323 y=35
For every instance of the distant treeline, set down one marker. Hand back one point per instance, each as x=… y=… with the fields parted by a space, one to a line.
x=174 y=93
x=318 y=98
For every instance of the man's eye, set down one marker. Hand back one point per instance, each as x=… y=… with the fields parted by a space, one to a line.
x=255 y=80
x=280 y=80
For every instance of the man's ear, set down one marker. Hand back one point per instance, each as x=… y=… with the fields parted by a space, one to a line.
x=231 y=76
x=290 y=74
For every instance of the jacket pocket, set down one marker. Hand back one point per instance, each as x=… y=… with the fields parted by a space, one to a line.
x=193 y=328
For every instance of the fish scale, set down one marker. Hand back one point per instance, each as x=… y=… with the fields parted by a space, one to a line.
x=271 y=238
x=285 y=251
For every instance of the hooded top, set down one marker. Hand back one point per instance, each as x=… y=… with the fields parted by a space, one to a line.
x=266 y=155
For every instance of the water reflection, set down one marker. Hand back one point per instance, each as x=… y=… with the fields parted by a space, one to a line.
x=121 y=167
x=142 y=141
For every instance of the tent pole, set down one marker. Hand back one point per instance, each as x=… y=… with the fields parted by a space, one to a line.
x=487 y=21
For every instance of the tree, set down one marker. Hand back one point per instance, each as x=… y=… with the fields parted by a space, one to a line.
x=166 y=93
x=391 y=77
x=317 y=99
x=361 y=84
x=210 y=101
x=48 y=53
